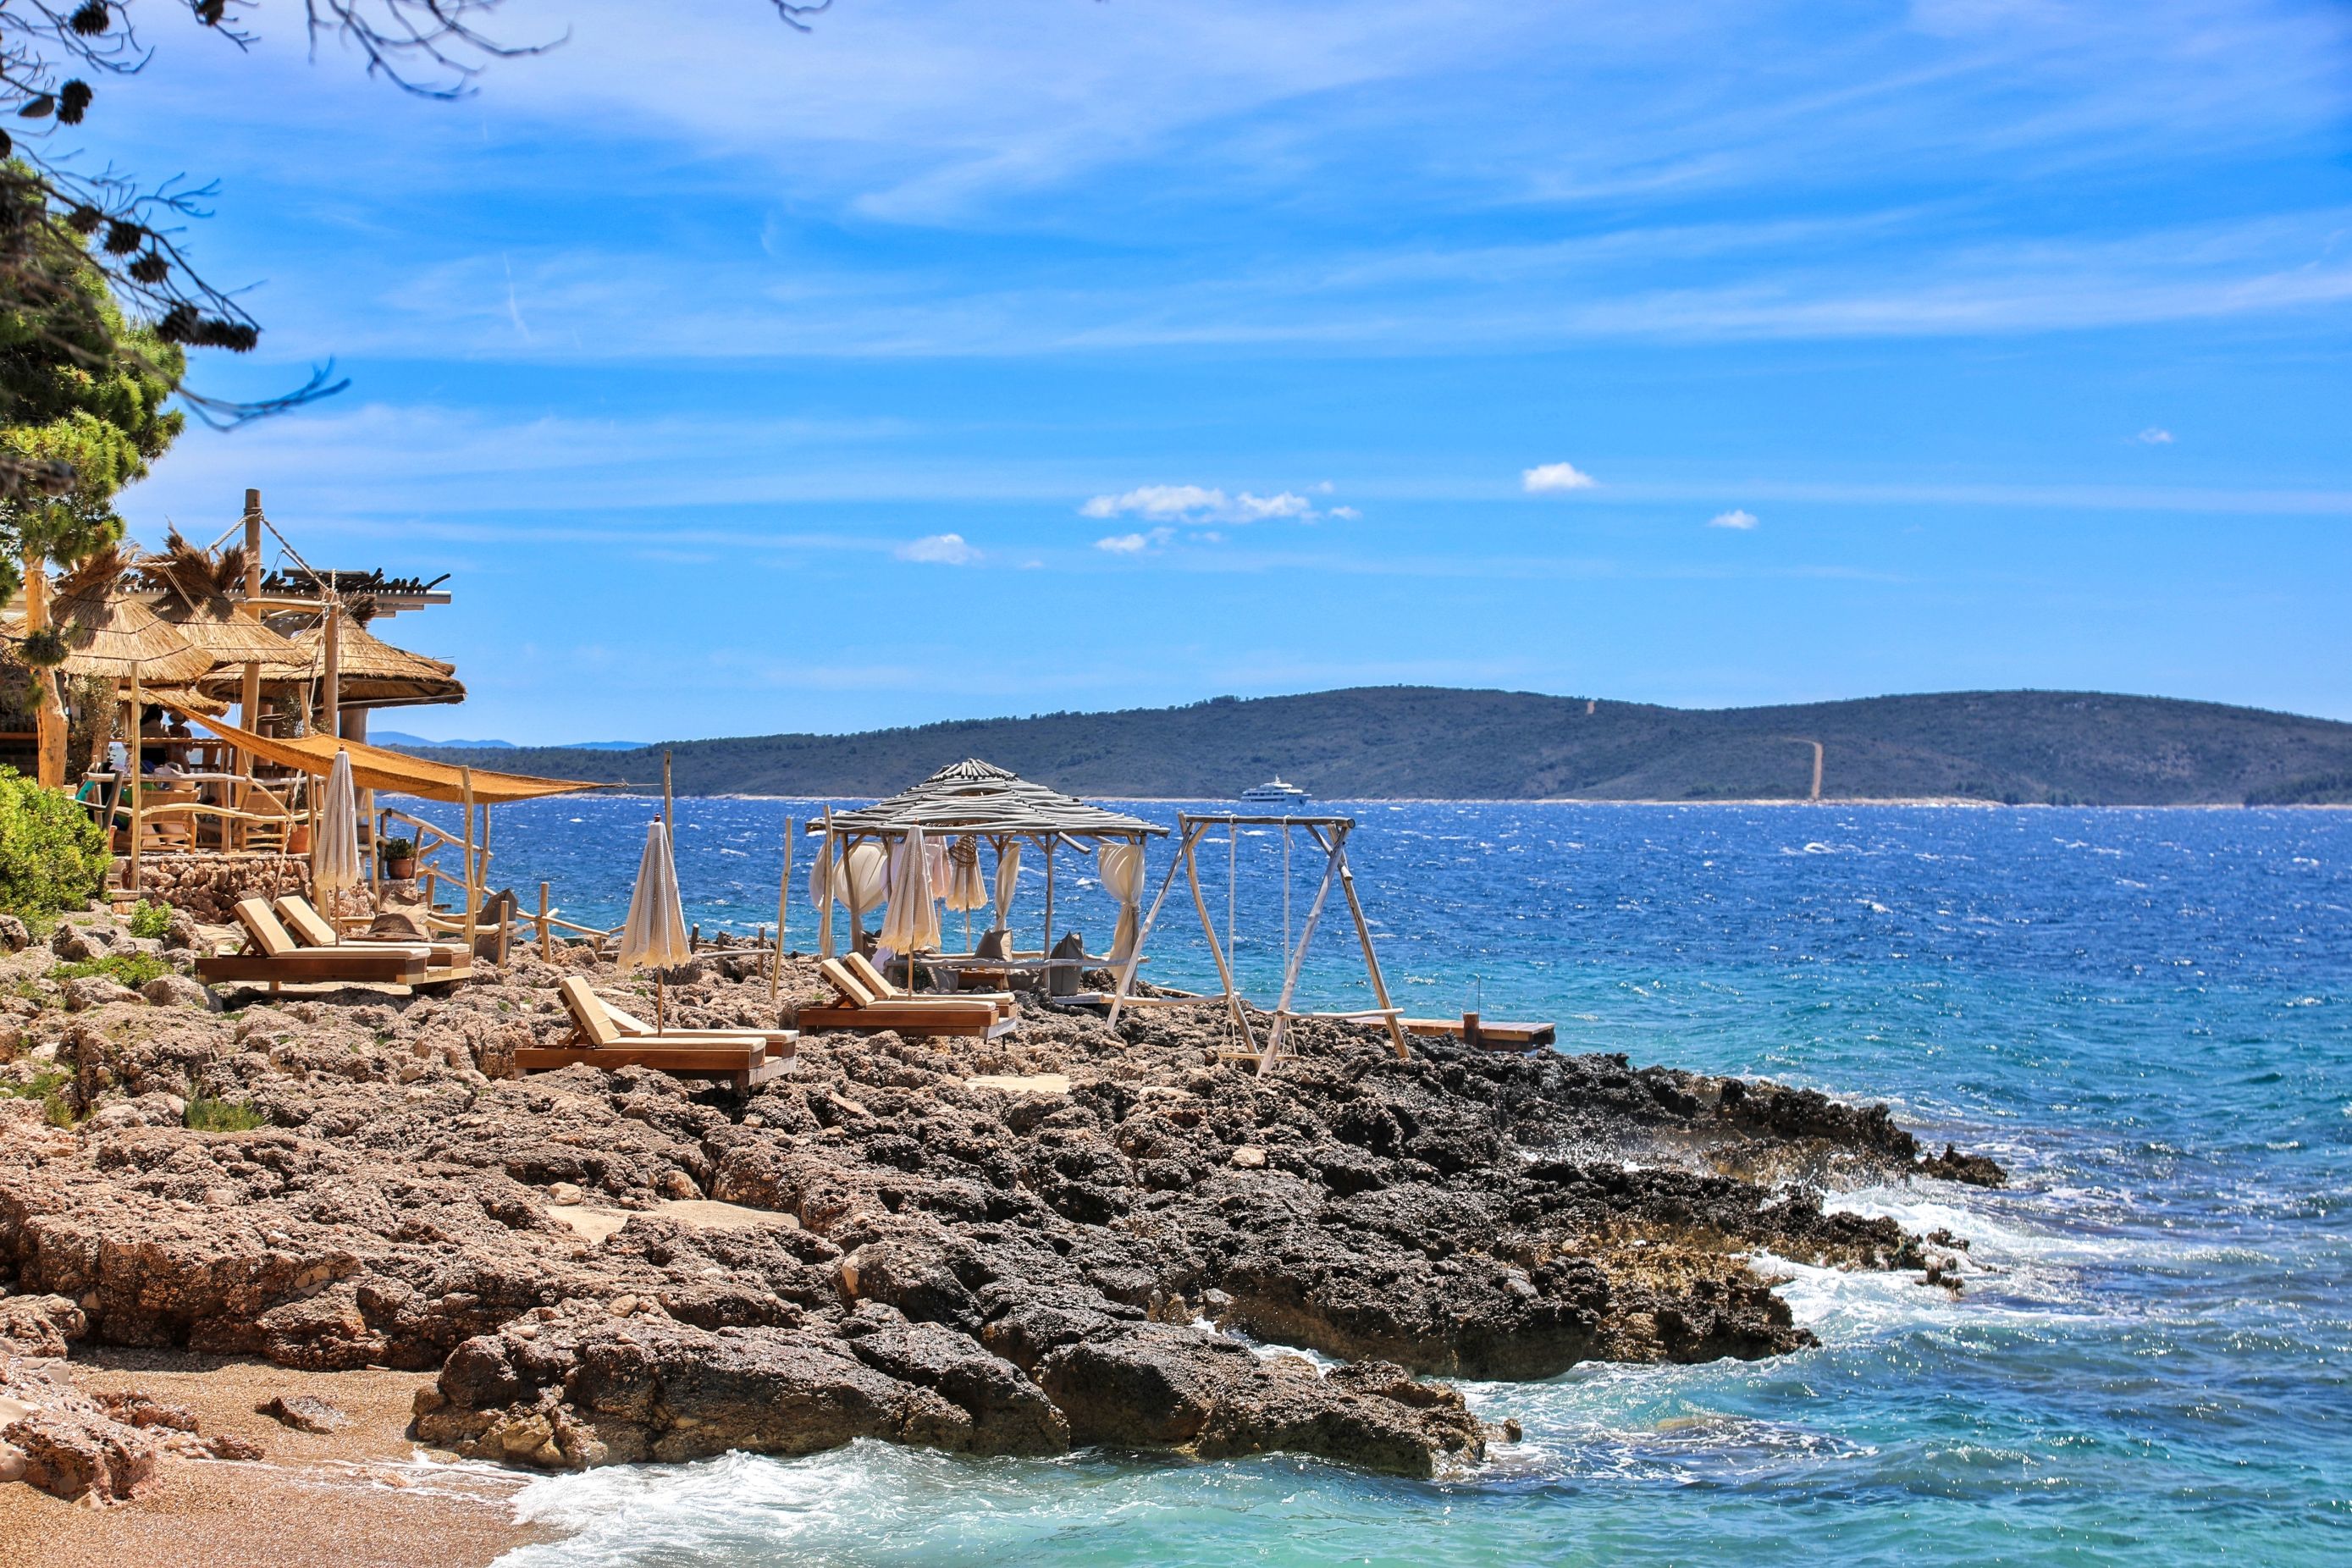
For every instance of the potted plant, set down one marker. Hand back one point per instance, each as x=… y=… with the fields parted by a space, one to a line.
x=399 y=857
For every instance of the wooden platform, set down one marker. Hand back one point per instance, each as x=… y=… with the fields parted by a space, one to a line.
x=1493 y=1035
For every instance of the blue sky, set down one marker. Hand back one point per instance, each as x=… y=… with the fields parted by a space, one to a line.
x=960 y=360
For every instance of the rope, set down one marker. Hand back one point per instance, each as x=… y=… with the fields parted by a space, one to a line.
x=1285 y=897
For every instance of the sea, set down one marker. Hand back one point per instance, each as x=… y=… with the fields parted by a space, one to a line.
x=2145 y=1015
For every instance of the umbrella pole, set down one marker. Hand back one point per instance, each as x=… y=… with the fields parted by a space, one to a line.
x=661 y=996
x=783 y=914
x=669 y=823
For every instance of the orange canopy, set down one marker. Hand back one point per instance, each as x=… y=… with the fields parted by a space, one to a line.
x=372 y=767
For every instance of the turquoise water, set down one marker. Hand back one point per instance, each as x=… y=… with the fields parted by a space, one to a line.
x=2146 y=1016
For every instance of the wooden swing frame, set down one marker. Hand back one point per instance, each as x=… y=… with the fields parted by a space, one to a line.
x=1330 y=834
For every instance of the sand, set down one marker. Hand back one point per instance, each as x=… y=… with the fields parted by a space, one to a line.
x=358 y=1497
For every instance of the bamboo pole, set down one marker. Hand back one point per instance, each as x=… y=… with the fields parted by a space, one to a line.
x=138 y=793
x=473 y=912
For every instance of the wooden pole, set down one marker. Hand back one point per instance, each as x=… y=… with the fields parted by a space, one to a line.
x=546 y=949
x=139 y=792
x=49 y=713
x=832 y=853
x=1127 y=969
x=1048 y=952
x=1364 y=935
x=249 y=687
x=669 y=822
x=783 y=914
x=330 y=681
x=1208 y=928
x=473 y=913
x=1298 y=961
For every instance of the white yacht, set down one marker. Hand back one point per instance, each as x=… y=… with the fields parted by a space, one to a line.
x=1275 y=791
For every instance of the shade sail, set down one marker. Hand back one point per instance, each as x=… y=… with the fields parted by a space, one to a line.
x=372 y=767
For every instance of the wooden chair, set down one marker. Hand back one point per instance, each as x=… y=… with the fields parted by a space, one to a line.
x=858 y=1007
x=272 y=957
x=301 y=918
x=602 y=1036
x=885 y=989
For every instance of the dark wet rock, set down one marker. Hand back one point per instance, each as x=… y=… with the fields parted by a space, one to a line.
x=1976 y=1169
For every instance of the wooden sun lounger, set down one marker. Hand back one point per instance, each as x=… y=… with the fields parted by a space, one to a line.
x=859 y=1007
x=274 y=957
x=885 y=989
x=302 y=920
x=605 y=1037
x=1485 y=1031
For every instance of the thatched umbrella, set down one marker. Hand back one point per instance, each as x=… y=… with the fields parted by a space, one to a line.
x=197 y=586
x=103 y=628
x=373 y=673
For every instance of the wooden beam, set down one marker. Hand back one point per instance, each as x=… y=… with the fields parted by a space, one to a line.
x=1364 y=935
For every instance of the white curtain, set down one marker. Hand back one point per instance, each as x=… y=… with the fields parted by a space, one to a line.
x=913 y=922
x=1008 y=881
x=1120 y=869
x=965 y=889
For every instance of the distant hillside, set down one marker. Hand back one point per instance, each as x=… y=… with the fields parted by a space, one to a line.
x=1400 y=741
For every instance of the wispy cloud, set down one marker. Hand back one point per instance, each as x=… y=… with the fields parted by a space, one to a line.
x=1738 y=517
x=1555 y=478
x=1135 y=543
x=938 y=550
x=2154 y=435
x=1199 y=504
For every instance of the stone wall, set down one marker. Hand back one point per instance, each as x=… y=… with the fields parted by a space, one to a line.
x=207 y=887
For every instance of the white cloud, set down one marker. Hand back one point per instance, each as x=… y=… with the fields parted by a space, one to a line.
x=1345 y=513
x=938 y=550
x=1739 y=518
x=1135 y=543
x=2154 y=436
x=1555 y=478
x=1203 y=504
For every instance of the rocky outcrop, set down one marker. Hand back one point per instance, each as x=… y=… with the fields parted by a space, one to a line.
x=904 y=1240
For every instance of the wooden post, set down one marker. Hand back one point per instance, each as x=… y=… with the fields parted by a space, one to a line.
x=1298 y=961
x=249 y=688
x=1127 y=969
x=546 y=949
x=138 y=790
x=783 y=914
x=1364 y=935
x=669 y=823
x=1047 y=952
x=857 y=899
x=473 y=912
x=330 y=682
x=1224 y=971
x=49 y=713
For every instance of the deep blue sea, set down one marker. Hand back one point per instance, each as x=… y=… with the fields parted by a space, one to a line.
x=2145 y=1015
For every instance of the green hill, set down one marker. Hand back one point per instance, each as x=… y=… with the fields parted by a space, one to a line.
x=1404 y=741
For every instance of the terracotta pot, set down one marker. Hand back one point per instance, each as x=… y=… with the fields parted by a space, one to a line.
x=401 y=870
x=298 y=839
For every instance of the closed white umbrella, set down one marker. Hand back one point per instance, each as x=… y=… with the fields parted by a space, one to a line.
x=913 y=923
x=1120 y=867
x=654 y=935
x=335 y=858
x=965 y=889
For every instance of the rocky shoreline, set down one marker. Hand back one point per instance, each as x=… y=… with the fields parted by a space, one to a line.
x=1070 y=1236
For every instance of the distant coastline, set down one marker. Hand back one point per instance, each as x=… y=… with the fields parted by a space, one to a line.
x=1406 y=743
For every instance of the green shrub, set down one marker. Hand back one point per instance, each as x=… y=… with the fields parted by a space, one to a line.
x=134 y=968
x=48 y=1087
x=223 y=1116
x=53 y=854
x=151 y=920
x=398 y=850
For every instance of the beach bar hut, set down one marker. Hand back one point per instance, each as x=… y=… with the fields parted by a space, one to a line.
x=982 y=804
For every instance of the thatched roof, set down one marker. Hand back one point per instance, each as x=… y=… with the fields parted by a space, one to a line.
x=108 y=630
x=195 y=585
x=973 y=796
x=370 y=672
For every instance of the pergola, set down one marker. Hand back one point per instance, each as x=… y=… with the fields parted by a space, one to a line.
x=978 y=800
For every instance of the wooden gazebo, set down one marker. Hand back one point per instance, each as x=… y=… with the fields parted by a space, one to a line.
x=978 y=801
